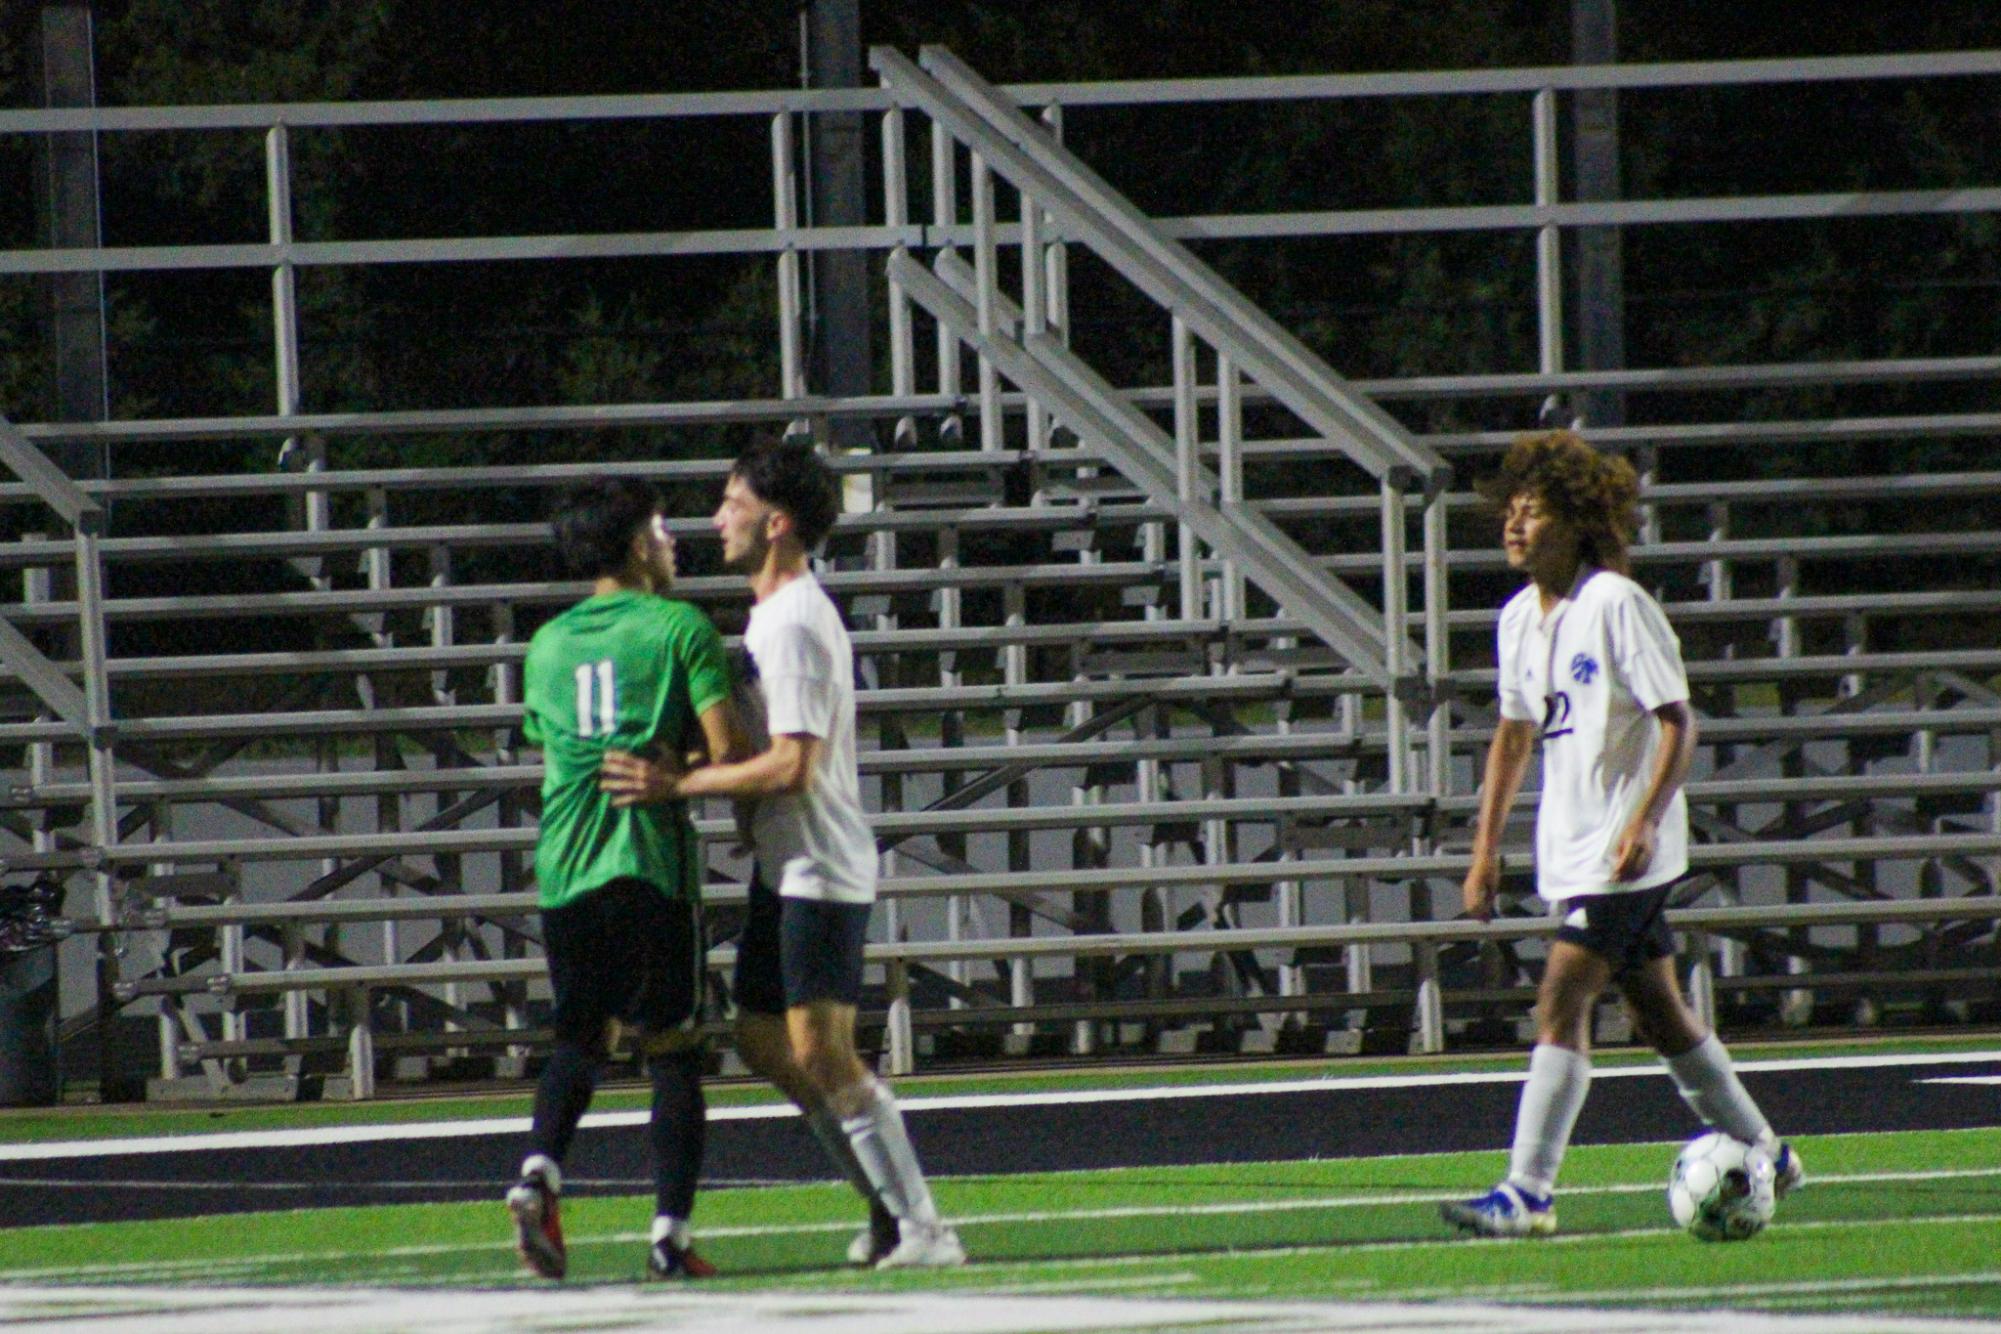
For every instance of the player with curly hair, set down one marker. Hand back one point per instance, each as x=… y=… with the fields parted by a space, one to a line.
x=1590 y=667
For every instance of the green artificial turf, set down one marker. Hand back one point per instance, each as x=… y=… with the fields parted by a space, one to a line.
x=1904 y=1223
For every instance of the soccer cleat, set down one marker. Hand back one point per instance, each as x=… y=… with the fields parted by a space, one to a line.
x=876 y=1240
x=925 y=1246
x=666 y=1261
x=538 y=1228
x=1789 y=1171
x=1504 y=1211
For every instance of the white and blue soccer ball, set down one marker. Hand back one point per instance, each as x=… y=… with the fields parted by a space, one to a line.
x=1722 y=1189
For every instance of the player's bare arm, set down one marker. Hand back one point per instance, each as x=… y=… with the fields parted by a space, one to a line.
x=785 y=769
x=636 y=780
x=1635 y=851
x=1507 y=764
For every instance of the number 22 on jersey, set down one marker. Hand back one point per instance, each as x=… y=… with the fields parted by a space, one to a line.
x=597 y=698
x=1555 y=715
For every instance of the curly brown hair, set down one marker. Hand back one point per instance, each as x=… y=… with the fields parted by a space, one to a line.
x=1597 y=494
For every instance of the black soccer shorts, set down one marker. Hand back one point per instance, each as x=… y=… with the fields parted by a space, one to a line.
x=1627 y=930
x=624 y=951
x=795 y=951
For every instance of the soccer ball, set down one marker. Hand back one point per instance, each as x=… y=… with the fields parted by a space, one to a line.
x=1722 y=1189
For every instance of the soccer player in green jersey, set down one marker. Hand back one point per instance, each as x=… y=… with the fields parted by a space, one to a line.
x=620 y=886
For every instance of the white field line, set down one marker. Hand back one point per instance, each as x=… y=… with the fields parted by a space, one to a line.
x=1434 y=1243
x=1109 y=1213
x=637 y=1184
x=1804 y=1287
x=918 y=1105
x=634 y=1184
x=1147 y=1281
x=224 y=1310
x=221 y=1310
x=211 y=1310
x=1133 y=1211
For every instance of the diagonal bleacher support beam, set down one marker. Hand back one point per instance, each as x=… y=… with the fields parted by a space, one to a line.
x=42 y=676
x=1130 y=441
x=1089 y=209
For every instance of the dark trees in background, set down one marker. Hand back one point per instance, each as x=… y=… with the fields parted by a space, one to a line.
x=455 y=335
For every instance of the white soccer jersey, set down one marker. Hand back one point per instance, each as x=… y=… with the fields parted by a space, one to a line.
x=1591 y=673
x=815 y=845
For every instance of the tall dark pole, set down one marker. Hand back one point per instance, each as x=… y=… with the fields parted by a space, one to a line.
x=839 y=355
x=1600 y=285
x=67 y=209
x=68 y=204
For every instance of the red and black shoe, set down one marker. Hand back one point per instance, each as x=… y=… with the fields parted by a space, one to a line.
x=666 y=1262
x=538 y=1227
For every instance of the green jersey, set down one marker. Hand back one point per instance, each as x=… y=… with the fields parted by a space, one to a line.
x=622 y=671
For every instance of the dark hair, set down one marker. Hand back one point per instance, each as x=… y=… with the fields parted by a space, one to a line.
x=595 y=521
x=1595 y=493
x=789 y=475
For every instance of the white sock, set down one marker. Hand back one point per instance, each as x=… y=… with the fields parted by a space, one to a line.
x=666 y=1227
x=882 y=1147
x=826 y=1128
x=1709 y=1085
x=1551 y=1099
x=541 y=1164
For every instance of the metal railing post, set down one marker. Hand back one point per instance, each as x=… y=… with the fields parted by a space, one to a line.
x=1701 y=979
x=1187 y=466
x=945 y=213
x=1034 y=310
x=902 y=1044
x=1229 y=478
x=1437 y=644
x=360 y=1045
x=1014 y=672
x=1549 y=238
x=882 y=546
x=986 y=268
x=896 y=213
x=1056 y=255
x=1429 y=1039
x=97 y=708
x=1396 y=612
x=785 y=216
x=310 y=456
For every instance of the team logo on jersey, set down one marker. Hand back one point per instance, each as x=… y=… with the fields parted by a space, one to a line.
x=1582 y=668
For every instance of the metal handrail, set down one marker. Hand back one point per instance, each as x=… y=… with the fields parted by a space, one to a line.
x=1088 y=209
x=1111 y=92
x=1144 y=456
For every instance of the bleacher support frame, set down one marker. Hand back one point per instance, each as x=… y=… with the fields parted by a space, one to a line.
x=1248 y=647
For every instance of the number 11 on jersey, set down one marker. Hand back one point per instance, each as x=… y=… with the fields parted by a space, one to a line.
x=597 y=699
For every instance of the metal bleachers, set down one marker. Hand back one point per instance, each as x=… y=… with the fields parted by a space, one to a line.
x=1174 y=693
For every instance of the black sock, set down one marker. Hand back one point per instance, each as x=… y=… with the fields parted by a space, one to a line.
x=680 y=1130
x=561 y=1098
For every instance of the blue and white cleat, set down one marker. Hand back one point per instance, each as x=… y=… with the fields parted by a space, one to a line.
x=1505 y=1211
x=1789 y=1173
